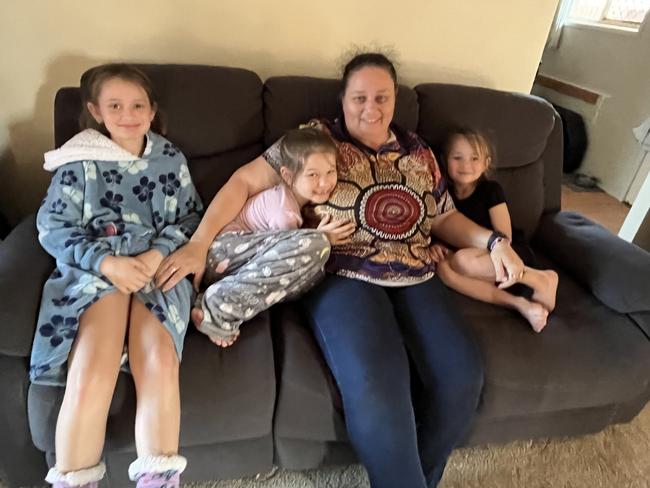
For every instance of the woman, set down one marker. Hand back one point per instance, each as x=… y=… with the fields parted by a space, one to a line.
x=388 y=264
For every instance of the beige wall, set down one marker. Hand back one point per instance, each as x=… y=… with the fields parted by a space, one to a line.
x=617 y=65
x=46 y=45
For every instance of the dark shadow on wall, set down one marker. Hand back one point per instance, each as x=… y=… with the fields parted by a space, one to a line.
x=23 y=181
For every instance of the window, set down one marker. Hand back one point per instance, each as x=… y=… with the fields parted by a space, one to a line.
x=626 y=13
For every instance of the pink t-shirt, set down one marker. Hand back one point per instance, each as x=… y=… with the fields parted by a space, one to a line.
x=272 y=209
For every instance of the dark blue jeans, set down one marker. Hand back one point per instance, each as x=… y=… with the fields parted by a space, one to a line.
x=368 y=335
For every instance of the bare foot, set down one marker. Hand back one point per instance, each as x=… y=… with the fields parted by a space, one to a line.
x=225 y=342
x=196 y=315
x=544 y=284
x=535 y=313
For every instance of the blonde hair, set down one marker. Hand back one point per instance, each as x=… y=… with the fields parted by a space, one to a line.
x=477 y=140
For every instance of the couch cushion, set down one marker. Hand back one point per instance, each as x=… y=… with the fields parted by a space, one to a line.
x=587 y=356
x=207 y=109
x=614 y=270
x=226 y=394
x=24 y=267
x=518 y=126
x=524 y=194
x=292 y=100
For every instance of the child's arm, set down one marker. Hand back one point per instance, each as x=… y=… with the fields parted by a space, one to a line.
x=60 y=225
x=498 y=209
x=62 y=233
x=178 y=229
x=500 y=218
x=248 y=180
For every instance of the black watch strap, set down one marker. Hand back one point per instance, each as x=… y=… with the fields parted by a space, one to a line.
x=496 y=235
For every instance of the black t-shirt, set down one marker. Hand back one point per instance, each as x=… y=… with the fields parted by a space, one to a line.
x=477 y=206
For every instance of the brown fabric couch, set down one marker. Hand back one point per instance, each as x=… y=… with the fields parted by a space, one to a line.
x=270 y=399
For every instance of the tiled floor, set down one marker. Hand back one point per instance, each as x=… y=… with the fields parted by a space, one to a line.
x=598 y=206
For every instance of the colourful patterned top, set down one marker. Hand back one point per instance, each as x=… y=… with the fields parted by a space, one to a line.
x=392 y=195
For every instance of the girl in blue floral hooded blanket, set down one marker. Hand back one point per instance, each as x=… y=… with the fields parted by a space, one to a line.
x=120 y=200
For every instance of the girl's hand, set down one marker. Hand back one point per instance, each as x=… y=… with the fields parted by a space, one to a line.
x=188 y=259
x=337 y=231
x=151 y=259
x=438 y=252
x=128 y=274
x=508 y=266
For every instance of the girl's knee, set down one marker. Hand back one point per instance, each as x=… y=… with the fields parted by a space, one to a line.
x=91 y=382
x=160 y=361
x=462 y=261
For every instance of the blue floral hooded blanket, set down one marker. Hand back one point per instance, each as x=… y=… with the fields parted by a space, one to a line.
x=104 y=201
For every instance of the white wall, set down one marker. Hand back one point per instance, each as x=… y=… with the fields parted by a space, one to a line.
x=617 y=65
x=47 y=44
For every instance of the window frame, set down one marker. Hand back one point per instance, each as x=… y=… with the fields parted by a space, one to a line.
x=609 y=24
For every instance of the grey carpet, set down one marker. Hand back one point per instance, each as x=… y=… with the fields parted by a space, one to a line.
x=618 y=457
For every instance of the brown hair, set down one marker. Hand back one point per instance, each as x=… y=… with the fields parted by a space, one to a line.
x=479 y=142
x=298 y=144
x=91 y=86
x=362 y=60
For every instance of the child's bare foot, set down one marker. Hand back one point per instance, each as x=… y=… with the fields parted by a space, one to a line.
x=197 y=317
x=225 y=342
x=196 y=314
x=535 y=313
x=544 y=284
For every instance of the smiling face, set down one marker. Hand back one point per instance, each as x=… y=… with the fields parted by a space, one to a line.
x=368 y=105
x=316 y=182
x=465 y=163
x=126 y=111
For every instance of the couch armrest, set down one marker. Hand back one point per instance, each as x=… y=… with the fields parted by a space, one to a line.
x=614 y=270
x=24 y=267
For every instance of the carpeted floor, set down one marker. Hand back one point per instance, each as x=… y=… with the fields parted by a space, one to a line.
x=618 y=457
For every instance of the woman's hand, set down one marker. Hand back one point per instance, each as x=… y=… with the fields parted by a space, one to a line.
x=188 y=259
x=438 y=252
x=128 y=274
x=337 y=231
x=508 y=266
x=151 y=259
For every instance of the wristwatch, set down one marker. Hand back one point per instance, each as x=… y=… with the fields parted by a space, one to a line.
x=495 y=237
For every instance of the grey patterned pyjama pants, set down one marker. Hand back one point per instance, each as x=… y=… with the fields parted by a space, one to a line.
x=249 y=272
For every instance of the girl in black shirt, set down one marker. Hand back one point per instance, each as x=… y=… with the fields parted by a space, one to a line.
x=470 y=271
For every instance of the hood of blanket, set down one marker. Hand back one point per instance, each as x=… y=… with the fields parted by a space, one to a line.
x=90 y=145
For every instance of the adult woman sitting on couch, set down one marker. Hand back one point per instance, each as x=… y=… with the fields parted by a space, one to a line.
x=380 y=303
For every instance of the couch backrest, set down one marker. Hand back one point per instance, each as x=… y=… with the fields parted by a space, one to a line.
x=222 y=118
x=520 y=127
x=292 y=100
x=213 y=114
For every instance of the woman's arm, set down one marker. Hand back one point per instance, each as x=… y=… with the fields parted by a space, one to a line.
x=247 y=181
x=500 y=218
x=459 y=231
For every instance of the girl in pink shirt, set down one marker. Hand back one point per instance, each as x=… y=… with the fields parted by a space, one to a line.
x=262 y=256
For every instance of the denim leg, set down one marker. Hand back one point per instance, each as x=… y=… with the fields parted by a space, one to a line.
x=355 y=326
x=447 y=365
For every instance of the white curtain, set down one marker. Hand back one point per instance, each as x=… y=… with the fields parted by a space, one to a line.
x=561 y=16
